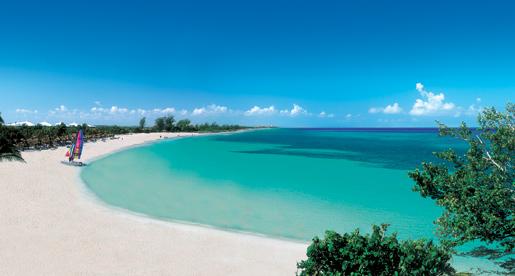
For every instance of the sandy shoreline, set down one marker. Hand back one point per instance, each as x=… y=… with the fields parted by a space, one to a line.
x=50 y=226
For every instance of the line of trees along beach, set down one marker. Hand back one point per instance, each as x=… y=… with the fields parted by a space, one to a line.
x=42 y=137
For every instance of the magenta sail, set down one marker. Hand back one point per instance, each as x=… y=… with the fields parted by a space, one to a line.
x=76 y=148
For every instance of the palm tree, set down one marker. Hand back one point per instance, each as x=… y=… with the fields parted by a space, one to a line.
x=8 y=150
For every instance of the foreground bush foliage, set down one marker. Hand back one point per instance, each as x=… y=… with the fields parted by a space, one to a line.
x=476 y=189
x=374 y=254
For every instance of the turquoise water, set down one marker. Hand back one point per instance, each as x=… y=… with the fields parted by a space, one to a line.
x=289 y=183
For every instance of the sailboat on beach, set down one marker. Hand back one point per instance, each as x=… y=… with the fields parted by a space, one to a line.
x=75 y=150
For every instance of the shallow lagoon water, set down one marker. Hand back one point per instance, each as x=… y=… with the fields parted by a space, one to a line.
x=288 y=183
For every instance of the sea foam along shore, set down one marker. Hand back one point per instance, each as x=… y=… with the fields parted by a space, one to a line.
x=50 y=226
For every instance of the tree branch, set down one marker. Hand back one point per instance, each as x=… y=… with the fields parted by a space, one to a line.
x=489 y=157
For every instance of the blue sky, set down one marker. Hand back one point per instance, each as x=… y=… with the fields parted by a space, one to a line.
x=287 y=63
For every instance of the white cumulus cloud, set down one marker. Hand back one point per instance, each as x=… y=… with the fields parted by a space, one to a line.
x=139 y=111
x=26 y=111
x=165 y=110
x=168 y=110
x=256 y=110
x=60 y=111
x=419 y=86
x=114 y=110
x=295 y=111
x=324 y=114
x=374 y=110
x=198 y=111
x=118 y=110
x=210 y=110
x=394 y=108
x=217 y=108
x=430 y=103
x=100 y=112
x=61 y=108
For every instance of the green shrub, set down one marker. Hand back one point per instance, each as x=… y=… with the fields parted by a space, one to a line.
x=374 y=254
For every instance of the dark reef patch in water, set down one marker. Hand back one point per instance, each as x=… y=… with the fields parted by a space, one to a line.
x=383 y=149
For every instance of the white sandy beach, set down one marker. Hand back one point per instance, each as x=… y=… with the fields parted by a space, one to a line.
x=50 y=225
